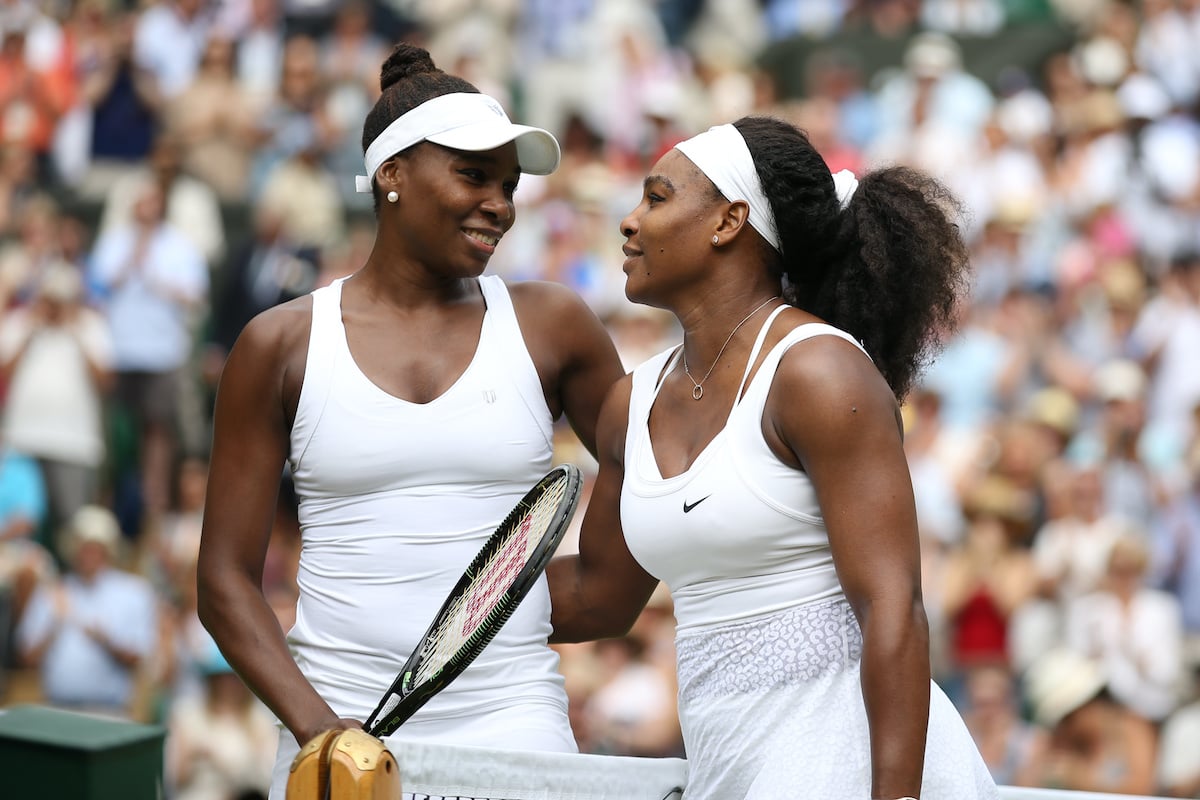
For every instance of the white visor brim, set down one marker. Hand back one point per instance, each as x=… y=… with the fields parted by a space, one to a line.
x=537 y=151
x=462 y=121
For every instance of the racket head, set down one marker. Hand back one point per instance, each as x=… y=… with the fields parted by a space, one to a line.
x=489 y=591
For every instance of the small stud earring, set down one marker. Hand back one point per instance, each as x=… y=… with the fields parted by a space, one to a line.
x=716 y=240
x=392 y=196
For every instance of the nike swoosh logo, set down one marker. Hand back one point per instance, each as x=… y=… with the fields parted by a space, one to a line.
x=688 y=507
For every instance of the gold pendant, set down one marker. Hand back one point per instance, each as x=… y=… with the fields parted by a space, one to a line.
x=697 y=392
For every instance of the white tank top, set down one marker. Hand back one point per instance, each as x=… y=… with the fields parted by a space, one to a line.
x=395 y=500
x=739 y=533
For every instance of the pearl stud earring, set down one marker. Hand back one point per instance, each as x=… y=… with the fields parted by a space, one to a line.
x=392 y=196
x=716 y=240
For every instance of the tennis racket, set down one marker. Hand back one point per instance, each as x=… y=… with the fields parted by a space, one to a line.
x=496 y=581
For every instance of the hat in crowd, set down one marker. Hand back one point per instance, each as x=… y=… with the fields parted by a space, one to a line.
x=61 y=282
x=1098 y=110
x=1000 y=497
x=1102 y=61
x=1055 y=408
x=1120 y=380
x=932 y=54
x=1143 y=97
x=1124 y=284
x=92 y=523
x=1059 y=682
x=1025 y=116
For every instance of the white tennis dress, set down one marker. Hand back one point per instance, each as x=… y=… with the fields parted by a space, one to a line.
x=768 y=648
x=395 y=499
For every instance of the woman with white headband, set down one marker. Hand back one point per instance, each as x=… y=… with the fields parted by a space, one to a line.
x=413 y=403
x=758 y=469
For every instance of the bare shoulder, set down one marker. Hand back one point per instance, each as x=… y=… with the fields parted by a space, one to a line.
x=556 y=320
x=546 y=298
x=280 y=328
x=273 y=347
x=828 y=381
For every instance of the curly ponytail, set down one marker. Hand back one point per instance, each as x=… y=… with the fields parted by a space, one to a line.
x=889 y=268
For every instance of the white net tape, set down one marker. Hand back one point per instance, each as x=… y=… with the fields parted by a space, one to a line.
x=439 y=771
x=1016 y=793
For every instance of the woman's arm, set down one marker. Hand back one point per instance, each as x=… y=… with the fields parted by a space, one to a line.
x=575 y=356
x=832 y=414
x=250 y=446
x=600 y=592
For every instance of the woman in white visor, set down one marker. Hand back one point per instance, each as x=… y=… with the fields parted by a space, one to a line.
x=758 y=469
x=413 y=402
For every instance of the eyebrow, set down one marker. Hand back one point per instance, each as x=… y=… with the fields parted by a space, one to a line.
x=663 y=179
x=478 y=157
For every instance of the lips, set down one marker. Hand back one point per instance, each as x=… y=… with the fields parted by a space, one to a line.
x=489 y=239
x=630 y=254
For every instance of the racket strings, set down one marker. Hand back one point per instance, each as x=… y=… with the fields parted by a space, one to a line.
x=475 y=609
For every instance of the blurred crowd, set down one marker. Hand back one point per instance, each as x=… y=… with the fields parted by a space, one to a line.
x=169 y=168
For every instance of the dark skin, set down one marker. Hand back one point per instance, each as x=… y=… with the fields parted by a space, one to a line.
x=829 y=414
x=419 y=287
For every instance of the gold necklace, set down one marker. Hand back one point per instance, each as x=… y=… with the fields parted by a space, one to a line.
x=698 y=388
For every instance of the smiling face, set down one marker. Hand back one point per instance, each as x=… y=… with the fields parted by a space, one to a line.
x=454 y=205
x=669 y=235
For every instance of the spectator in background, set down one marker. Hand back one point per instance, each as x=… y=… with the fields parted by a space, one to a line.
x=221 y=742
x=89 y=632
x=303 y=194
x=259 y=53
x=212 y=120
x=77 y=48
x=266 y=269
x=987 y=578
x=296 y=117
x=33 y=99
x=1115 y=442
x=1096 y=744
x=169 y=41
x=1178 y=768
x=1168 y=331
x=19 y=185
x=1134 y=633
x=991 y=710
x=1175 y=558
x=350 y=54
x=932 y=111
x=192 y=207
x=56 y=356
x=125 y=100
x=23 y=562
x=1070 y=554
x=170 y=559
x=154 y=280
x=24 y=256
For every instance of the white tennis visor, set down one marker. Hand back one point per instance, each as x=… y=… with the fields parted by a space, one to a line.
x=461 y=121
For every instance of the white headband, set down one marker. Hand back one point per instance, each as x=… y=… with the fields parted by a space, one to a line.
x=461 y=121
x=721 y=154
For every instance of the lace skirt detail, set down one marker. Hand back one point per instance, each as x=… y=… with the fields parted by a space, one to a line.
x=772 y=707
x=790 y=647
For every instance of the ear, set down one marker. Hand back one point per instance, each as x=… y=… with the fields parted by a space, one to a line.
x=735 y=216
x=391 y=174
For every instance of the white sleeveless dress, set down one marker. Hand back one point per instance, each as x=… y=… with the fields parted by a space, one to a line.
x=768 y=648
x=395 y=499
